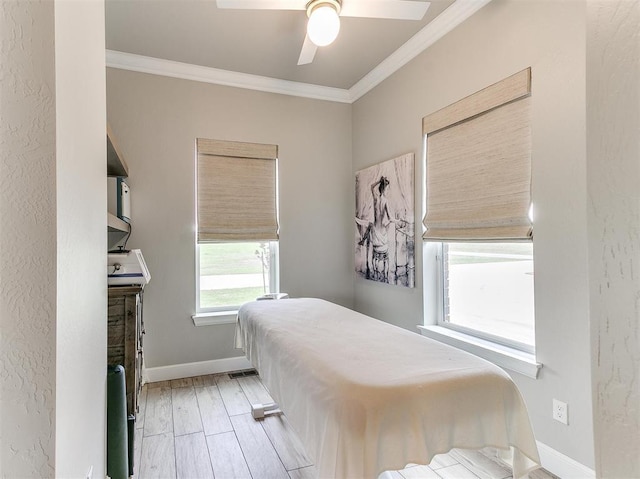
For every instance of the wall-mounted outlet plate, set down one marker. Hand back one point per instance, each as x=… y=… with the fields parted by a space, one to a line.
x=560 y=411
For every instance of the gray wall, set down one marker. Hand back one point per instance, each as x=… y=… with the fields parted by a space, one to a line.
x=156 y=121
x=501 y=39
x=52 y=239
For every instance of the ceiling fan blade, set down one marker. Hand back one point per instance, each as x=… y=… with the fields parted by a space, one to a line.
x=262 y=4
x=393 y=9
x=308 y=51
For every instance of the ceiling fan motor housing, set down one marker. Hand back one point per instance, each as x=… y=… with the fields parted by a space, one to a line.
x=324 y=21
x=313 y=4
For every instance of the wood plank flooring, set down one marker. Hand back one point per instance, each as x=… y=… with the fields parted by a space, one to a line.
x=201 y=428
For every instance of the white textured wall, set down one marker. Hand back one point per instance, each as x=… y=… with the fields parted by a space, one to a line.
x=27 y=240
x=81 y=326
x=503 y=38
x=156 y=120
x=613 y=172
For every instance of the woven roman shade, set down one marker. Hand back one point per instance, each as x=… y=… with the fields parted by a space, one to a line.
x=236 y=191
x=478 y=178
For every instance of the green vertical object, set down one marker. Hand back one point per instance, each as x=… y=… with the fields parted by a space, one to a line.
x=131 y=426
x=117 y=431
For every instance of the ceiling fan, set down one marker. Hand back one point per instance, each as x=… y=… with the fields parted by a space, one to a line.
x=324 y=15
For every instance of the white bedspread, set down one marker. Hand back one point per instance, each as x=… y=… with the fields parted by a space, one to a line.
x=365 y=396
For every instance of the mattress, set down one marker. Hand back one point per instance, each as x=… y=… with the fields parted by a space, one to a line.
x=365 y=396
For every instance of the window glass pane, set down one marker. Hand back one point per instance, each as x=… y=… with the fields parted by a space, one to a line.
x=489 y=288
x=233 y=273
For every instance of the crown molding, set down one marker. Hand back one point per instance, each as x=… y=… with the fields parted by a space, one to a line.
x=453 y=16
x=186 y=71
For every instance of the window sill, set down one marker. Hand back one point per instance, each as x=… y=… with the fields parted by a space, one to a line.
x=508 y=358
x=210 y=319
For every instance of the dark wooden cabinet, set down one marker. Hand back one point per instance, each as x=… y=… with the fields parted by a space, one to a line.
x=125 y=334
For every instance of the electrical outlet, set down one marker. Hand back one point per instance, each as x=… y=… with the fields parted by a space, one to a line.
x=560 y=411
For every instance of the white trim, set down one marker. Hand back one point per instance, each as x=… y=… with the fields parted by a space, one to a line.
x=453 y=16
x=187 y=370
x=186 y=71
x=561 y=465
x=211 y=319
x=504 y=356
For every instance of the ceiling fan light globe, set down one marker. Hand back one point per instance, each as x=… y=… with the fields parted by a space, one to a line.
x=324 y=25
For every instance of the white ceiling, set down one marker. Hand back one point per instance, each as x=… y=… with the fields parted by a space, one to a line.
x=267 y=43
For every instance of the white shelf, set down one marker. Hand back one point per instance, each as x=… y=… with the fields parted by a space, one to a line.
x=116 y=166
x=116 y=225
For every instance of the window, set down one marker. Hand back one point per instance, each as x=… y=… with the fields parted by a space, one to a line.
x=233 y=273
x=478 y=200
x=488 y=291
x=237 y=237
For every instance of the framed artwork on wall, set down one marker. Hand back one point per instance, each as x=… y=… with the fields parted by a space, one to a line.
x=385 y=222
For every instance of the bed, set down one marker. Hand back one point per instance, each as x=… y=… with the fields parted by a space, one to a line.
x=365 y=396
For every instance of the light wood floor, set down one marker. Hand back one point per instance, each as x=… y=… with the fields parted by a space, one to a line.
x=199 y=428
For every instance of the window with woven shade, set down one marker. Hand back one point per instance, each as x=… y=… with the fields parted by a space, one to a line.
x=478 y=206
x=479 y=165
x=236 y=191
x=237 y=223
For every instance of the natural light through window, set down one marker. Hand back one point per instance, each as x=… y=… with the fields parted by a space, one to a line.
x=237 y=224
x=234 y=273
x=488 y=291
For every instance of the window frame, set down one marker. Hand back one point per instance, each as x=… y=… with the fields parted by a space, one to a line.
x=512 y=359
x=442 y=321
x=260 y=211
x=501 y=351
x=274 y=277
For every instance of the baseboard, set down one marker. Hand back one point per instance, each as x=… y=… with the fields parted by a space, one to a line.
x=561 y=465
x=187 y=370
